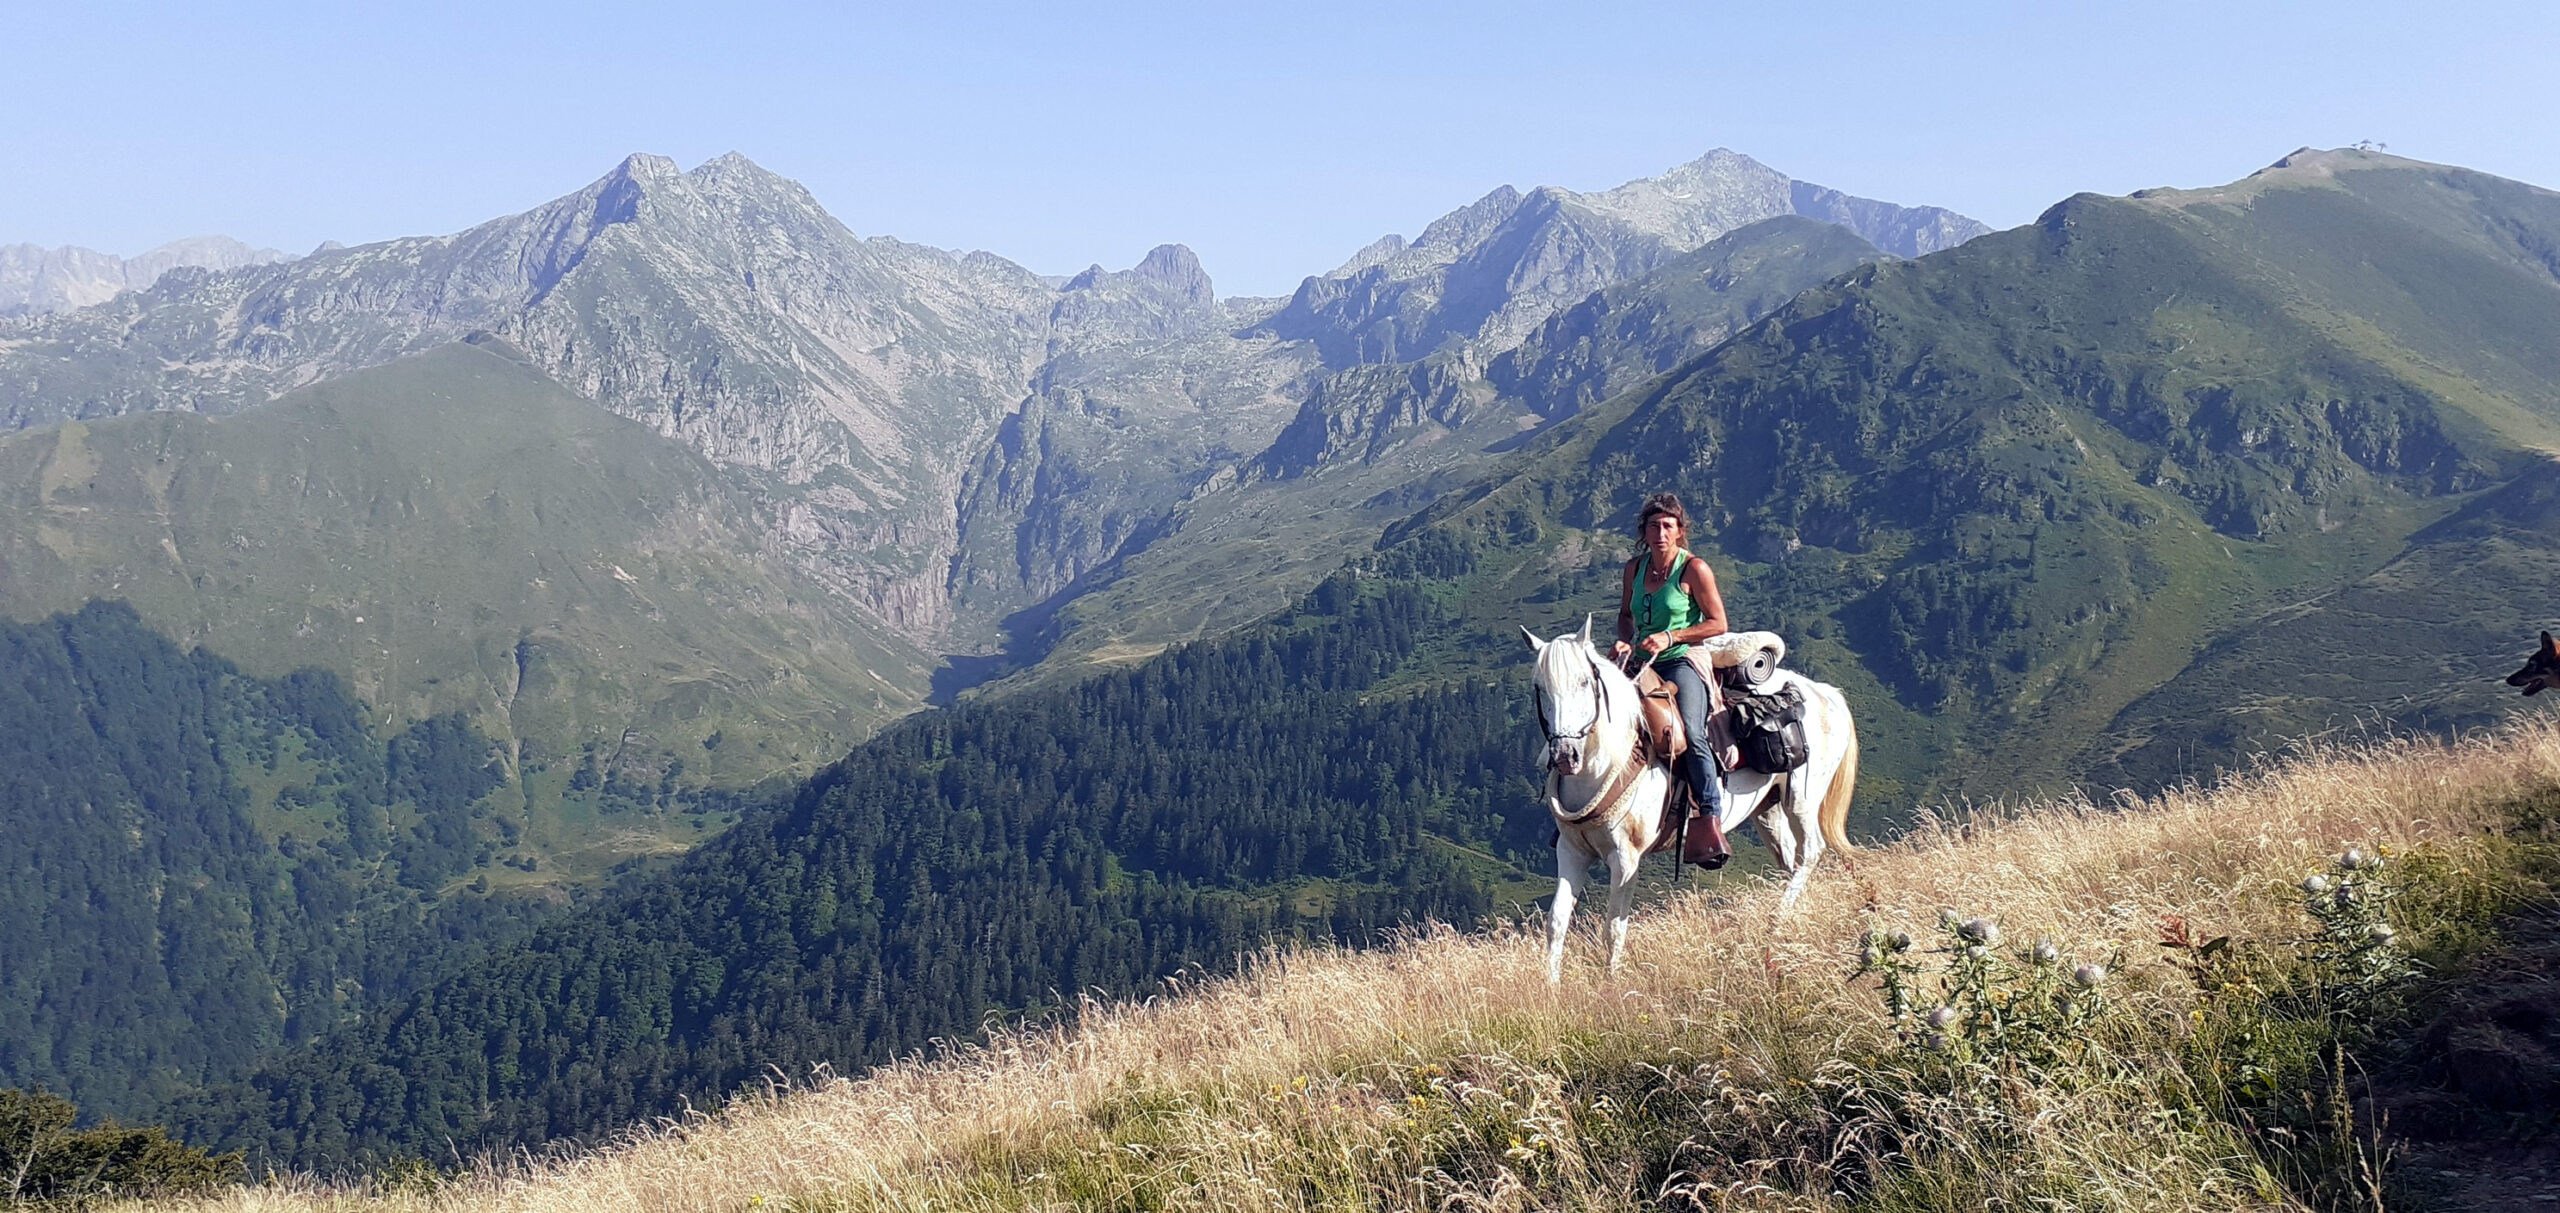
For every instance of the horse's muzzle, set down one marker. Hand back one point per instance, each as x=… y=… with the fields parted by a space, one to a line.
x=1565 y=758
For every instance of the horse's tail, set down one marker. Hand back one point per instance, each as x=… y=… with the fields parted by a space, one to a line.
x=1844 y=781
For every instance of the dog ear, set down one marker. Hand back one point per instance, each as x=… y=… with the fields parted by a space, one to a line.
x=1535 y=644
x=2549 y=647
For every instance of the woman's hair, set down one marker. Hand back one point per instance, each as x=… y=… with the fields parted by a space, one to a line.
x=1663 y=504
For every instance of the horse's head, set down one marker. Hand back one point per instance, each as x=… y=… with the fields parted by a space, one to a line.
x=1572 y=696
x=2540 y=670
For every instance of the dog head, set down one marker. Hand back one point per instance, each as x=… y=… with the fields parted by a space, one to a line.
x=2540 y=670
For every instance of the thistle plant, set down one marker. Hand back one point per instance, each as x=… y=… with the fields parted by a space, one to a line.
x=2357 y=951
x=1981 y=1005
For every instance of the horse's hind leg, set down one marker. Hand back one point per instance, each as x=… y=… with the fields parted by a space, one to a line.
x=1573 y=869
x=1782 y=828
x=1803 y=807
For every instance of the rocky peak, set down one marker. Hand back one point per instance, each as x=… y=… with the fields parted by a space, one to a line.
x=1461 y=230
x=1166 y=295
x=740 y=185
x=1379 y=251
x=1698 y=201
x=1177 y=269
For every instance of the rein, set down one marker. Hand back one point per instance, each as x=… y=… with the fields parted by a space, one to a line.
x=1614 y=795
x=1599 y=711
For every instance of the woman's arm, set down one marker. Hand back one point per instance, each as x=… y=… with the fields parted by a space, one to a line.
x=1626 y=609
x=1700 y=581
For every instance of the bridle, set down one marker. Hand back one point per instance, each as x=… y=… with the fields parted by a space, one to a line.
x=1611 y=799
x=1599 y=708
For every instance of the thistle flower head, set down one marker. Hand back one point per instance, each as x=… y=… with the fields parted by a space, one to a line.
x=2046 y=953
x=2088 y=976
x=1979 y=931
x=1942 y=1017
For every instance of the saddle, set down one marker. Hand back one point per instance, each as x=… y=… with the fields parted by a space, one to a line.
x=1664 y=738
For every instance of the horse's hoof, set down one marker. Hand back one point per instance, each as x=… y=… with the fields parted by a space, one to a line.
x=1717 y=860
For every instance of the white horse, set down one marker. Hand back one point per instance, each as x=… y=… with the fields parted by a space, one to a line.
x=1607 y=800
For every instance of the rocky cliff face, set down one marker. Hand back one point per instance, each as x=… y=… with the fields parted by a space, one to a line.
x=39 y=280
x=851 y=379
x=1146 y=393
x=945 y=439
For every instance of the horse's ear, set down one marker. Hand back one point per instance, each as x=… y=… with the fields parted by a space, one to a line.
x=1586 y=629
x=1536 y=644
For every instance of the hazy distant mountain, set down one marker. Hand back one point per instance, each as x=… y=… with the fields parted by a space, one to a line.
x=855 y=382
x=34 y=279
x=953 y=444
x=1490 y=272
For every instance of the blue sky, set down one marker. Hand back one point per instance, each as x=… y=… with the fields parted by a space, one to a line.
x=1273 y=139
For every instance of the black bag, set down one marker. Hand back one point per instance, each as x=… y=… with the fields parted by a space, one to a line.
x=1769 y=730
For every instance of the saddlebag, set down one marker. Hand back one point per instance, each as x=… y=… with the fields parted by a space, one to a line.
x=1769 y=730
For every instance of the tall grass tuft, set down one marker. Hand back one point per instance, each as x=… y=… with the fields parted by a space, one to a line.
x=2142 y=1006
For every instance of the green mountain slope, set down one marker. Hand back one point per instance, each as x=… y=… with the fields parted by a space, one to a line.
x=2004 y=492
x=984 y=859
x=206 y=866
x=455 y=532
x=2424 y=642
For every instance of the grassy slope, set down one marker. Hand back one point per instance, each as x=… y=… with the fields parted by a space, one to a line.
x=1442 y=1072
x=457 y=532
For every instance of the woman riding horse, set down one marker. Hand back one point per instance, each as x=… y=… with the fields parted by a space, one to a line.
x=1603 y=788
x=1667 y=601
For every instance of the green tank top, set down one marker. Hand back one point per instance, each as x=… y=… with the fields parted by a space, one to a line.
x=1666 y=607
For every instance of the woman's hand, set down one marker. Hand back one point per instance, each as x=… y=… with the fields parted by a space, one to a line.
x=1654 y=644
x=1619 y=651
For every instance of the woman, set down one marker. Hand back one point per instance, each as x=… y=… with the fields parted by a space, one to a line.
x=1667 y=601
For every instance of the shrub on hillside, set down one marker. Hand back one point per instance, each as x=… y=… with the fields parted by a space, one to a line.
x=43 y=1159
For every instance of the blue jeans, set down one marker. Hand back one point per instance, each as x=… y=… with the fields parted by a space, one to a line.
x=1695 y=765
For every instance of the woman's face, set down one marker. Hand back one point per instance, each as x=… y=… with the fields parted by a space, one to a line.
x=1661 y=534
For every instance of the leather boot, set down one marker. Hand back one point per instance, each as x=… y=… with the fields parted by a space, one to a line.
x=1703 y=844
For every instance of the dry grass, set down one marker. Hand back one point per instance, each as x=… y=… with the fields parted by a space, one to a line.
x=1445 y=1073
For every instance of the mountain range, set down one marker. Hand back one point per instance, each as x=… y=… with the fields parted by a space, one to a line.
x=953 y=446
x=591 y=516
x=2118 y=497
x=35 y=279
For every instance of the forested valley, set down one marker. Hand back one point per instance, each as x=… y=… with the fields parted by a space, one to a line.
x=994 y=859
x=207 y=866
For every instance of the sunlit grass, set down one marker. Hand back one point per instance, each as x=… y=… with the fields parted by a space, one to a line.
x=1733 y=1064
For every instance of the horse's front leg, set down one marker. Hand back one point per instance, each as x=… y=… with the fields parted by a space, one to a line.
x=1573 y=869
x=1623 y=861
